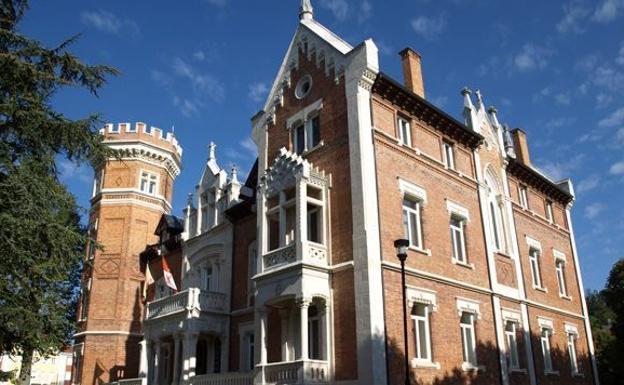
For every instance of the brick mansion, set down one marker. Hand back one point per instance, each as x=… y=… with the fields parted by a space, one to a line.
x=291 y=276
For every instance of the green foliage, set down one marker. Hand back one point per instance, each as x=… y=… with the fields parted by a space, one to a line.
x=41 y=240
x=606 y=313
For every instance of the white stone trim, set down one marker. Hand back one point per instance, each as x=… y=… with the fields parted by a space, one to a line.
x=546 y=323
x=533 y=243
x=468 y=305
x=304 y=113
x=457 y=209
x=422 y=296
x=511 y=315
x=559 y=256
x=412 y=190
x=108 y=332
x=571 y=328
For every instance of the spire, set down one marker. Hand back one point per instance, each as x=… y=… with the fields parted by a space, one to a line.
x=189 y=200
x=306 y=12
x=510 y=150
x=234 y=174
x=470 y=116
x=211 y=151
x=479 y=99
x=492 y=111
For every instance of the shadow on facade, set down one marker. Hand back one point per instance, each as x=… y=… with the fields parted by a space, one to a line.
x=489 y=366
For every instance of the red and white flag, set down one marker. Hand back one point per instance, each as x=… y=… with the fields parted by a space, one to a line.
x=167 y=275
x=148 y=280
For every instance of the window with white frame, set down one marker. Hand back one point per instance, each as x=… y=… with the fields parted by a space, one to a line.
x=534 y=257
x=207 y=278
x=469 y=345
x=549 y=211
x=405 y=131
x=496 y=213
x=307 y=135
x=524 y=198
x=449 y=155
x=495 y=222
x=458 y=239
x=560 y=269
x=411 y=221
x=511 y=338
x=422 y=331
x=97 y=182
x=546 y=354
x=315 y=333
x=574 y=367
x=148 y=183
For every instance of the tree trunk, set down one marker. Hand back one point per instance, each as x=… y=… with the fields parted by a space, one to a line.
x=25 y=369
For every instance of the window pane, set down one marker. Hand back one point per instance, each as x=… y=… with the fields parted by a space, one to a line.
x=299 y=139
x=458 y=248
x=422 y=339
x=495 y=229
x=316 y=131
x=414 y=238
x=406 y=224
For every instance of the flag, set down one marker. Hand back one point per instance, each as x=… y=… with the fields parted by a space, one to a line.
x=167 y=275
x=148 y=280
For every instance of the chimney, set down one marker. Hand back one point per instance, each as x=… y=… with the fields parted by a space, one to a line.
x=412 y=71
x=521 y=146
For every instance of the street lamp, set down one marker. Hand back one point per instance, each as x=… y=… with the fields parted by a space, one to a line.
x=401 y=249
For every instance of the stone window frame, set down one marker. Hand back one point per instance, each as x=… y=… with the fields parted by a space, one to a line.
x=426 y=297
x=246 y=362
x=560 y=265
x=534 y=245
x=149 y=175
x=448 y=151
x=461 y=214
x=417 y=194
x=547 y=330
x=513 y=316
x=305 y=118
x=572 y=333
x=407 y=122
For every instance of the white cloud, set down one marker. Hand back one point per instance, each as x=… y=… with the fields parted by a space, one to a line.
x=440 y=101
x=108 y=22
x=616 y=118
x=603 y=100
x=339 y=8
x=429 y=27
x=531 y=57
x=608 y=11
x=588 y=184
x=218 y=3
x=559 y=122
x=617 y=168
x=562 y=169
x=619 y=136
x=258 y=91
x=204 y=84
x=574 y=14
x=69 y=170
x=620 y=58
x=563 y=98
x=249 y=145
x=365 y=12
x=593 y=210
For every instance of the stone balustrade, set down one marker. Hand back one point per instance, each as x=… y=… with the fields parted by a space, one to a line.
x=297 y=372
x=223 y=379
x=313 y=253
x=189 y=299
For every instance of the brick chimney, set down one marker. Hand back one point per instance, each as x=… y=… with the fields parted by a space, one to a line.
x=521 y=146
x=412 y=71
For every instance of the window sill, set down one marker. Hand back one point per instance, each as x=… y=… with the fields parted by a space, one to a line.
x=503 y=254
x=319 y=145
x=517 y=371
x=463 y=264
x=565 y=296
x=578 y=375
x=551 y=372
x=426 y=252
x=539 y=288
x=467 y=367
x=424 y=364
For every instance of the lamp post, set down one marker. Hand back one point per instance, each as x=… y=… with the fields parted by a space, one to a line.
x=401 y=249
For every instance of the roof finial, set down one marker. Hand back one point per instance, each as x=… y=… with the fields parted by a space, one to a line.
x=234 y=174
x=306 y=12
x=211 y=151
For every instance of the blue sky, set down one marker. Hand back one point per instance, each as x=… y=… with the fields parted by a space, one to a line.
x=553 y=68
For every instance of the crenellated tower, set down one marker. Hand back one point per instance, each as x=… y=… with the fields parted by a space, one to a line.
x=130 y=194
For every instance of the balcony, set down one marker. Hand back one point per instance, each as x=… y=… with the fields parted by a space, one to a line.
x=313 y=253
x=187 y=300
x=297 y=372
x=131 y=381
x=223 y=379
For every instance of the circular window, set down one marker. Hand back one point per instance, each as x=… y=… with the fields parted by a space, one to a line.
x=303 y=87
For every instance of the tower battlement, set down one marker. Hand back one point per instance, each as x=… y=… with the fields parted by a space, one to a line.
x=142 y=131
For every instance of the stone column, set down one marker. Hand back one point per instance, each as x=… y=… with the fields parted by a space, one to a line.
x=177 y=339
x=143 y=358
x=301 y=218
x=156 y=374
x=284 y=333
x=263 y=337
x=190 y=350
x=303 y=304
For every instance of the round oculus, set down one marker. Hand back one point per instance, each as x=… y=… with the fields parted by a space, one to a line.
x=304 y=85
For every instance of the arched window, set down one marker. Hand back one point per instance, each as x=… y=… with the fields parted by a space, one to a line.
x=495 y=212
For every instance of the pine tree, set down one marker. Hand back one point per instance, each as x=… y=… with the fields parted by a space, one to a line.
x=41 y=239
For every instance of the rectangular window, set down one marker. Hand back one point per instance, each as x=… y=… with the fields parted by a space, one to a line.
x=458 y=239
x=512 y=344
x=560 y=268
x=97 y=182
x=250 y=351
x=314 y=224
x=148 y=183
x=468 y=339
x=449 y=155
x=307 y=135
x=84 y=300
x=420 y=315
x=545 y=341
x=300 y=139
x=549 y=211
x=412 y=223
x=405 y=134
x=524 y=199
x=315 y=132
x=572 y=352
x=534 y=255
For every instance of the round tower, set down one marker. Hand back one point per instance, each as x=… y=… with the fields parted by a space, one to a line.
x=130 y=194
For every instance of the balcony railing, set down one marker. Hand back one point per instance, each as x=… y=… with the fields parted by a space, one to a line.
x=313 y=253
x=131 y=381
x=223 y=379
x=189 y=299
x=297 y=372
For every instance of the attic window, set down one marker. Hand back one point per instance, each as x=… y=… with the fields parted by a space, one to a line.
x=303 y=87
